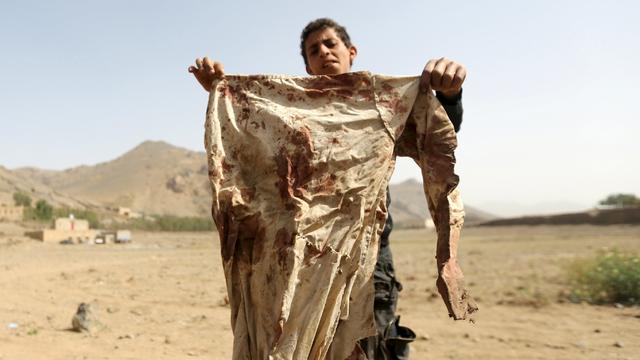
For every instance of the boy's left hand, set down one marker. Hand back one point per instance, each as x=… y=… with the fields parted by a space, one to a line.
x=443 y=75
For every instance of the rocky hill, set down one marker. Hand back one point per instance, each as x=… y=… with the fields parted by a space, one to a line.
x=14 y=181
x=409 y=206
x=154 y=178
x=158 y=178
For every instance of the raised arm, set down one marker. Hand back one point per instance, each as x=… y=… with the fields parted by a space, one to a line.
x=205 y=70
x=446 y=78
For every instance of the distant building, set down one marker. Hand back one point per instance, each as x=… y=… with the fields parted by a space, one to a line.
x=11 y=213
x=123 y=211
x=117 y=237
x=126 y=212
x=123 y=236
x=66 y=229
x=71 y=230
x=71 y=224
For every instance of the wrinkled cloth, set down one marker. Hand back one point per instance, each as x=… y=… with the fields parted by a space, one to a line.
x=299 y=168
x=393 y=340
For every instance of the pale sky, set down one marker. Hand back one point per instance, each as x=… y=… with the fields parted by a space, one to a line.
x=550 y=119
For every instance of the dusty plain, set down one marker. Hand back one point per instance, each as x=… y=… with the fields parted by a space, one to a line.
x=163 y=297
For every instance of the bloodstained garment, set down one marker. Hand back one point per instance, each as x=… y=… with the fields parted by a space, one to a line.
x=299 y=168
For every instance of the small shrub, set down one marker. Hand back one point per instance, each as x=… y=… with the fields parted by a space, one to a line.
x=22 y=199
x=43 y=211
x=171 y=223
x=187 y=223
x=609 y=277
x=621 y=200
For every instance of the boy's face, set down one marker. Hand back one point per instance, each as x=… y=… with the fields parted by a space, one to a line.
x=327 y=54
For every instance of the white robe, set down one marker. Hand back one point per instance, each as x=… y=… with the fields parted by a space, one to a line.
x=299 y=168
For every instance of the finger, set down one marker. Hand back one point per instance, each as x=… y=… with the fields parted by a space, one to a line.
x=196 y=67
x=425 y=79
x=207 y=65
x=447 y=77
x=458 y=78
x=438 y=71
x=218 y=68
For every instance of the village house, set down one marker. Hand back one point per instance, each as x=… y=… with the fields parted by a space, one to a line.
x=126 y=212
x=11 y=213
x=66 y=229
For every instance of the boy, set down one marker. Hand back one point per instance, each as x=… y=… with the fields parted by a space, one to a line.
x=327 y=50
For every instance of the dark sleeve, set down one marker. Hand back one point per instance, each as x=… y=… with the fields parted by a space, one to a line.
x=453 y=107
x=388 y=225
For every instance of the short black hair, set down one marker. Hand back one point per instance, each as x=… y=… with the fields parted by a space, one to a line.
x=321 y=24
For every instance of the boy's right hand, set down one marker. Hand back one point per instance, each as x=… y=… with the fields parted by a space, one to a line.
x=206 y=71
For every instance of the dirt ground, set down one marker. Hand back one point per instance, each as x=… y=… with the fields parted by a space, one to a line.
x=163 y=297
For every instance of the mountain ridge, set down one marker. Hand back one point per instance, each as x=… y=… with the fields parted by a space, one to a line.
x=158 y=178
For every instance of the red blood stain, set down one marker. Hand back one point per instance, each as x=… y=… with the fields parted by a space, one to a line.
x=284 y=240
x=283 y=243
x=248 y=194
x=312 y=253
x=407 y=143
x=395 y=105
x=366 y=94
x=245 y=114
x=226 y=167
x=398 y=106
x=268 y=84
x=251 y=238
x=238 y=96
x=343 y=85
x=326 y=186
x=347 y=93
x=314 y=93
x=323 y=82
x=294 y=167
x=283 y=170
x=224 y=90
x=302 y=137
x=258 y=244
x=227 y=237
x=346 y=205
x=240 y=235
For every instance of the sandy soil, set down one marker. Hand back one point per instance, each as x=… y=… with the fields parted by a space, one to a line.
x=163 y=297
